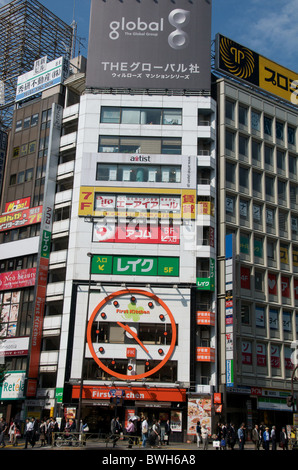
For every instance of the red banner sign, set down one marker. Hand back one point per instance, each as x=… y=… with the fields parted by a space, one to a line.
x=20 y=218
x=17 y=279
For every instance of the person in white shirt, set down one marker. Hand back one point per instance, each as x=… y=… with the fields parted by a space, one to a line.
x=144 y=432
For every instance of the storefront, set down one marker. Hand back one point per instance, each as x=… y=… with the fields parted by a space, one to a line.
x=101 y=403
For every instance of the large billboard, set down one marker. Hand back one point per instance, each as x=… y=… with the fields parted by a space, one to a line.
x=150 y=44
x=243 y=63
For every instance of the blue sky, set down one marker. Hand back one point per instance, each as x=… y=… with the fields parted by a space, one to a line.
x=269 y=27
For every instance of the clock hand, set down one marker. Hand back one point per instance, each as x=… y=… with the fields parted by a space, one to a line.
x=133 y=334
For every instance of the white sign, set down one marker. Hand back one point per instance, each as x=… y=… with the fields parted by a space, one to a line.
x=13 y=386
x=41 y=78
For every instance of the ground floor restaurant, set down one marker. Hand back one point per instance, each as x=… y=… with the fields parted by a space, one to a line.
x=101 y=404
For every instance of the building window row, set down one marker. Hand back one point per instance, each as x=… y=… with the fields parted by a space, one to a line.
x=157 y=116
x=27 y=122
x=20 y=233
x=146 y=145
x=141 y=173
x=259 y=122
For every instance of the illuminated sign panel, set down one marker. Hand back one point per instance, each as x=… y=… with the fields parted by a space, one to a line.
x=243 y=63
x=150 y=44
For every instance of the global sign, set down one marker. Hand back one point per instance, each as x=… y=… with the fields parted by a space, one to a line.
x=150 y=44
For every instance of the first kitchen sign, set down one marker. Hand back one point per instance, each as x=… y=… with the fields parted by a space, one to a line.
x=150 y=44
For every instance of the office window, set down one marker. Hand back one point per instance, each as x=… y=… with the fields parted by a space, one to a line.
x=279 y=130
x=243 y=145
x=255 y=120
x=269 y=186
x=269 y=156
x=230 y=172
x=271 y=250
x=270 y=217
x=267 y=126
x=46 y=118
x=34 y=120
x=293 y=165
x=27 y=122
x=147 y=145
x=291 y=135
x=230 y=141
x=242 y=115
x=257 y=182
x=257 y=213
x=244 y=209
x=230 y=110
x=281 y=188
x=259 y=280
x=12 y=179
x=256 y=151
x=21 y=177
x=243 y=177
x=281 y=160
x=142 y=173
x=230 y=205
x=157 y=116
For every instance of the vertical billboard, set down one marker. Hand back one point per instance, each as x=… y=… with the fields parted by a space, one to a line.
x=44 y=250
x=149 y=44
x=229 y=308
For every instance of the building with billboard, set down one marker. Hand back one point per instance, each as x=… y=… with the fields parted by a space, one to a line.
x=257 y=233
x=109 y=207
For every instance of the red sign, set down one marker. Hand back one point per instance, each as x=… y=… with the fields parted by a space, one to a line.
x=245 y=278
x=18 y=205
x=205 y=318
x=272 y=284
x=17 y=279
x=133 y=393
x=205 y=354
x=20 y=218
x=137 y=233
x=285 y=286
x=131 y=352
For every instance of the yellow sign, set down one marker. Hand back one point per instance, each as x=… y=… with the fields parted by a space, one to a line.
x=251 y=67
x=103 y=201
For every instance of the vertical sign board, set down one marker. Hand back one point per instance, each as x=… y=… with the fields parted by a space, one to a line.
x=149 y=44
x=44 y=249
x=229 y=308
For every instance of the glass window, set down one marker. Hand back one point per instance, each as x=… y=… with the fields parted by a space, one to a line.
x=172 y=117
x=257 y=181
x=131 y=116
x=268 y=125
x=271 y=250
x=270 y=217
x=255 y=120
x=268 y=156
x=244 y=209
x=293 y=165
x=281 y=188
x=230 y=172
x=259 y=280
x=243 y=177
x=230 y=141
x=13 y=179
x=280 y=160
x=27 y=122
x=230 y=110
x=243 y=145
x=19 y=125
x=145 y=145
x=21 y=177
x=242 y=115
x=257 y=213
x=256 y=150
x=29 y=174
x=230 y=205
x=291 y=135
x=34 y=120
x=279 y=130
x=269 y=186
x=244 y=243
x=110 y=115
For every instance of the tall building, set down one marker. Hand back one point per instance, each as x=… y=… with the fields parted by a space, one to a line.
x=28 y=31
x=257 y=234
x=116 y=189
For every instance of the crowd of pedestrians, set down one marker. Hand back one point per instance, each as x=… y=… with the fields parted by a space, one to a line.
x=227 y=436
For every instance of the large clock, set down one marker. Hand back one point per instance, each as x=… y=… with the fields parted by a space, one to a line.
x=127 y=316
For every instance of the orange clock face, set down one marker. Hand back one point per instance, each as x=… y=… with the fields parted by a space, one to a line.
x=139 y=332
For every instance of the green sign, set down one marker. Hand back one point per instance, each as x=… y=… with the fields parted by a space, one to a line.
x=135 y=265
x=59 y=395
x=46 y=244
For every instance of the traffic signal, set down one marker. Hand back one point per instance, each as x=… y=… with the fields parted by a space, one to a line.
x=290 y=400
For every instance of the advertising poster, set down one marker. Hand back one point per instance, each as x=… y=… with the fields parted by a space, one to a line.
x=199 y=409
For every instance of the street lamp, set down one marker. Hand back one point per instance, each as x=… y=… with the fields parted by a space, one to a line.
x=90 y=255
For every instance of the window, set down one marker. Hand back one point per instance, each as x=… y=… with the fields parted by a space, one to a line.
x=268 y=156
x=258 y=247
x=21 y=177
x=281 y=188
x=269 y=186
x=245 y=243
x=280 y=160
x=230 y=205
x=142 y=173
x=19 y=125
x=255 y=120
x=244 y=209
x=271 y=250
x=257 y=182
x=257 y=213
x=29 y=174
x=243 y=145
x=157 y=116
x=230 y=172
x=279 y=130
x=12 y=179
x=115 y=144
x=256 y=151
x=27 y=122
x=267 y=125
x=34 y=120
x=46 y=118
x=259 y=280
x=230 y=110
x=242 y=115
x=230 y=141
x=291 y=135
x=243 y=177
x=270 y=218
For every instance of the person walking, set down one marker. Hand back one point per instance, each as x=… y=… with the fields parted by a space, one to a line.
x=29 y=430
x=204 y=435
x=255 y=437
x=283 y=439
x=241 y=437
x=115 y=430
x=266 y=438
x=273 y=437
x=199 y=433
x=3 y=429
x=43 y=432
x=130 y=429
x=167 y=432
x=231 y=436
x=144 y=430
